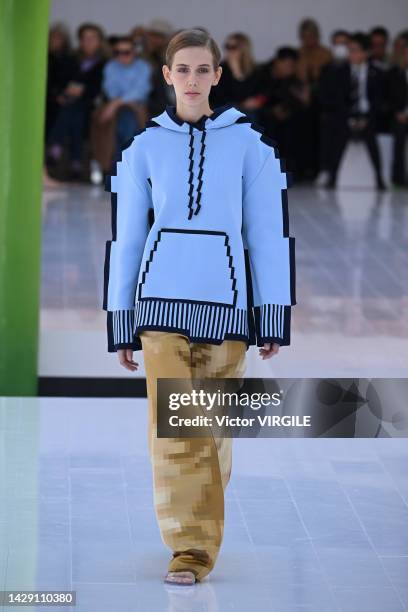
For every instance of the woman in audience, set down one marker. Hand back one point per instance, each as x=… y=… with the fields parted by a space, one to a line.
x=241 y=82
x=77 y=99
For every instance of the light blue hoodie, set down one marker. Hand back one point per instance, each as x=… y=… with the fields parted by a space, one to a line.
x=217 y=261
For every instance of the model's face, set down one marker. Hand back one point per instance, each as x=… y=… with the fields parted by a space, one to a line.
x=192 y=71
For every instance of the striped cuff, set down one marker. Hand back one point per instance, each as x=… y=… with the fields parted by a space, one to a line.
x=272 y=324
x=120 y=324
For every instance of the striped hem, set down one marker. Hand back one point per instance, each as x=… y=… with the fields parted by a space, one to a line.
x=123 y=326
x=272 y=322
x=196 y=319
x=200 y=321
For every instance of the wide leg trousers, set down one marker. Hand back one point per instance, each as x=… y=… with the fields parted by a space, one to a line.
x=189 y=474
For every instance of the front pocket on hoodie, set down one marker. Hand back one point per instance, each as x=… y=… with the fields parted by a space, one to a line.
x=193 y=265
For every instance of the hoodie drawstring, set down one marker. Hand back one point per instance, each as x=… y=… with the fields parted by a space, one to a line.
x=191 y=171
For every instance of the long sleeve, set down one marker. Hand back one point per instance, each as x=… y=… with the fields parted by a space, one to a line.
x=130 y=201
x=271 y=250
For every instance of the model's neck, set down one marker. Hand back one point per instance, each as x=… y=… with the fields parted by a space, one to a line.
x=188 y=113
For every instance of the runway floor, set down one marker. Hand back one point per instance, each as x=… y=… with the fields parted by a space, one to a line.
x=351 y=316
x=311 y=524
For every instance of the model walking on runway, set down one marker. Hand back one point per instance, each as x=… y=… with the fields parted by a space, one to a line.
x=213 y=274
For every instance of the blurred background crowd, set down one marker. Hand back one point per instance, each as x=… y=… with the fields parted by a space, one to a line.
x=312 y=99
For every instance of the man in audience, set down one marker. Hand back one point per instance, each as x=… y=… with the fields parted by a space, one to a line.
x=283 y=112
x=399 y=106
x=332 y=100
x=126 y=86
x=379 y=38
x=353 y=103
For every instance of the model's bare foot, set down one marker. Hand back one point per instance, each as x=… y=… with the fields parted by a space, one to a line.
x=180 y=577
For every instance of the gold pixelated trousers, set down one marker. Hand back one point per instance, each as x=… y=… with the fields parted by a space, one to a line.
x=190 y=475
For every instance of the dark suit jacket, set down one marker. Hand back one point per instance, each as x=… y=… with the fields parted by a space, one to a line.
x=334 y=89
x=398 y=88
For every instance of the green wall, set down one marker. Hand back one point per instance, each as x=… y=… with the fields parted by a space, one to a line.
x=23 y=59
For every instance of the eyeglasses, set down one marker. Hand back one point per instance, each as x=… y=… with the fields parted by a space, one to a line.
x=231 y=46
x=123 y=52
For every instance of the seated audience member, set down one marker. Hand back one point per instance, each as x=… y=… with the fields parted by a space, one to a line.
x=77 y=99
x=286 y=99
x=156 y=36
x=312 y=54
x=312 y=57
x=241 y=81
x=59 y=70
x=126 y=86
x=353 y=102
x=398 y=82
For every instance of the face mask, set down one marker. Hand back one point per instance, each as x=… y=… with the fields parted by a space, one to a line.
x=340 y=51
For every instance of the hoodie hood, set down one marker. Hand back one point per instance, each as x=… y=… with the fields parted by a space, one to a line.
x=221 y=117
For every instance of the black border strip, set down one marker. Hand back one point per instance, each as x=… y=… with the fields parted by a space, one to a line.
x=67 y=386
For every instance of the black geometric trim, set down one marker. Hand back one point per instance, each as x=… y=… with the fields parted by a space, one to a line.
x=191 y=174
x=200 y=123
x=106 y=274
x=113 y=203
x=285 y=213
x=292 y=268
x=219 y=110
x=271 y=143
x=184 y=301
x=200 y=181
x=186 y=231
x=109 y=327
x=250 y=299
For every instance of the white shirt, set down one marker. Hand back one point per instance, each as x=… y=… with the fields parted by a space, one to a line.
x=361 y=71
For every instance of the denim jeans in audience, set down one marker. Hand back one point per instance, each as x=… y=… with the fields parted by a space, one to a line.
x=126 y=126
x=69 y=126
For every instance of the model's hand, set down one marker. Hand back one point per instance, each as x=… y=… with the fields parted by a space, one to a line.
x=269 y=350
x=126 y=359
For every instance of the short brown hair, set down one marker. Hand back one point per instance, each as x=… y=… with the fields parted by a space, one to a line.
x=195 y=37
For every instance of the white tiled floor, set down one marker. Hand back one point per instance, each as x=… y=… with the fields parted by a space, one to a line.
x=351 y=318
x=311 y=524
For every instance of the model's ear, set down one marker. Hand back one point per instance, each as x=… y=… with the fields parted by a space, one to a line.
x=166 y=71
x=218 y=73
